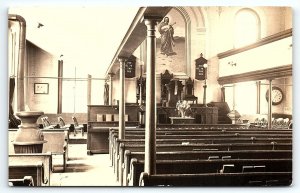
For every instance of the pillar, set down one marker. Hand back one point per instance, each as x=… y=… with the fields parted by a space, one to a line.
x=59 y=93
x=258 y=88
x=122 y=99
x=150 y=123
x=89 y=89
x=270 y=105
x=110 y=88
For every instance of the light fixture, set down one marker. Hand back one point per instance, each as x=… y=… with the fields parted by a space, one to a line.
x=232 y=63
x=40 y=25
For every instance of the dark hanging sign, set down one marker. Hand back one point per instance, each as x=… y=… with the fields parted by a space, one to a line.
x=200 y=71
x=130 y=67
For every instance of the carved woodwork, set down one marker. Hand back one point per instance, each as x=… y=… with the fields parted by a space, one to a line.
x=175 y=87
x=189 y=91
x=141 y=87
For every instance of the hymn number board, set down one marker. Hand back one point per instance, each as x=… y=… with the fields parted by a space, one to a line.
x=130 y=67
x=200 y=71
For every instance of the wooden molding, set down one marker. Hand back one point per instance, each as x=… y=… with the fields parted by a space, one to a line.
x=266 y=40
x=270 y=73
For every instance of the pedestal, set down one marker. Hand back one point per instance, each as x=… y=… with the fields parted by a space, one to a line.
x=29 y=138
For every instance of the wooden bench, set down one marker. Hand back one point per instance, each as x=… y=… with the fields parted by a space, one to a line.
x=207 y=166
x=217 y=179
x=115 y=147
x=205 y=136
x=57 y=143
x=196 y=147
x=35 y=170
x=187 y=137
x=26 y=181
x=37 y=165
x=186 y=130
x=204 y=155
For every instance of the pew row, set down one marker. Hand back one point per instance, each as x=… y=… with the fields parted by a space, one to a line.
x=218 y=179
x=209 y=166
x=195 y=147
x=185 y=129
x=38 y=166
x=116 y=144
x=203 y=136
x=115 y=147
x=194 y=155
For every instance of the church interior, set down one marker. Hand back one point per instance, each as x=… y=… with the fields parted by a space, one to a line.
x=150 y=96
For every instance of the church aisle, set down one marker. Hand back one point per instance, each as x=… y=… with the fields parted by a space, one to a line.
x=84 y=170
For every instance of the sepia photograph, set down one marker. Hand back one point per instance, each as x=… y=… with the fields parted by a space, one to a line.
x=165 y=96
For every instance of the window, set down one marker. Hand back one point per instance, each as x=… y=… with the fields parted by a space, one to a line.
x=247 y=27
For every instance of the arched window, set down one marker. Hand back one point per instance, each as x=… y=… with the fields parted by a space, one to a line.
x=247 y=27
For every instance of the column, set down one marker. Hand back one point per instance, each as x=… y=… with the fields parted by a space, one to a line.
x=223 y=99
x=258 y=88
x=122 y=61
x=270 y=105
x=59 y=93
x=122 y=99
x=111 y=88
x=150 y=125
x=89 y=89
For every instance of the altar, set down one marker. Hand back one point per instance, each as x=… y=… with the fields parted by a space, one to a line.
x=182 y=120
x=201 y=115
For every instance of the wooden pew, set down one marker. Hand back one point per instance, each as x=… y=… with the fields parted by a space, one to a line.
x=37 y=165
x=57 y=143
x=204 y=136
x=26 y=181
x=185 y=130
x=204 y=155
x=201 y=134
x=217 y=179
x=191 y=131
x=35 y=170
x=137 y=133
x=196 y=147
x=208 y=166
x=115 y=146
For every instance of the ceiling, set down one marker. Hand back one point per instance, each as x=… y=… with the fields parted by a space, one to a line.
x=88 y=37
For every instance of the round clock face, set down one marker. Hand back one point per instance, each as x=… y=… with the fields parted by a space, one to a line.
x=277 y=95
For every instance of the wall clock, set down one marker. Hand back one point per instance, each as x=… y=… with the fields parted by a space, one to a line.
x=277 y=95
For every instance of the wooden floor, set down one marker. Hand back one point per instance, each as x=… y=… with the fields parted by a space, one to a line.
x=84 y=170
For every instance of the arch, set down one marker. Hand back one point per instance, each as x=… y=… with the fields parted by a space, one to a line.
x=187 y=20
x=246 y=34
